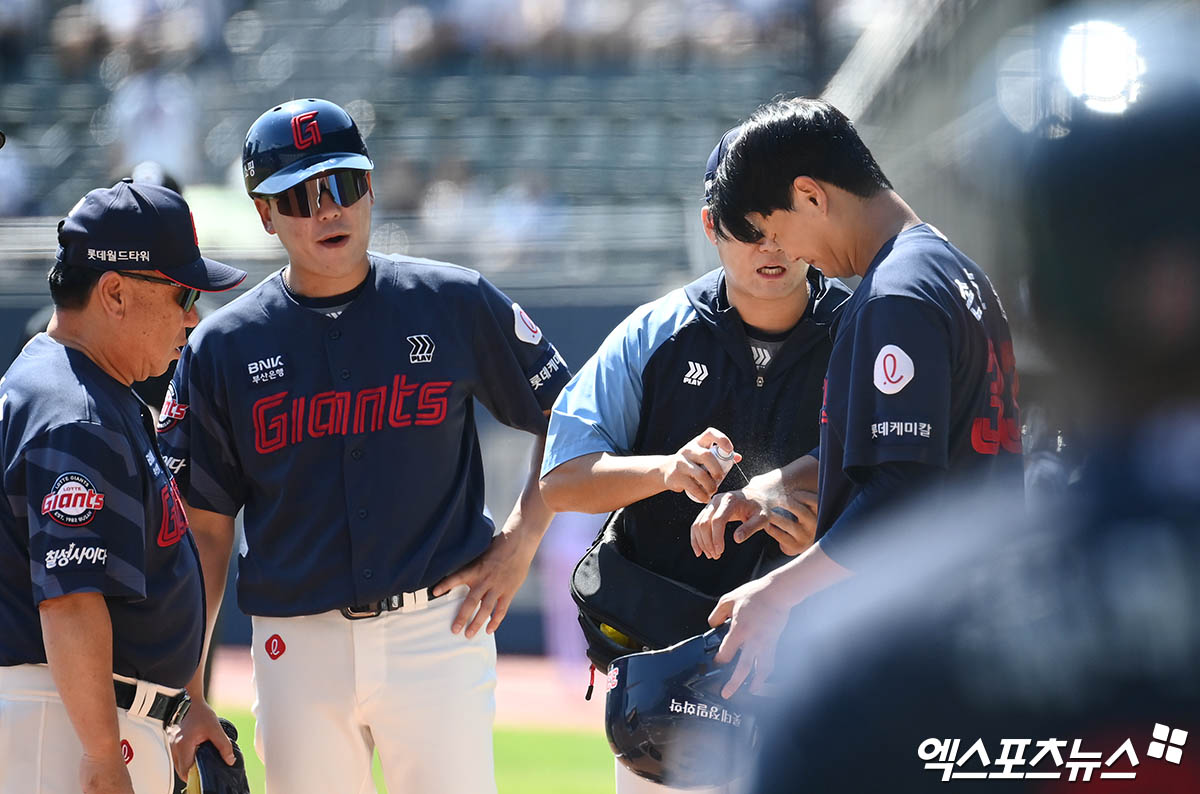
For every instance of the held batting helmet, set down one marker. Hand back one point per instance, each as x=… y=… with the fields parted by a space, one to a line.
x=297 y=140
x=667 y=722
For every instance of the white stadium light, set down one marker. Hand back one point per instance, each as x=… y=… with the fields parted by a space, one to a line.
x=1100 y=64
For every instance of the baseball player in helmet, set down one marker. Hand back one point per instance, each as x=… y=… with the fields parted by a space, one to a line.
x=101 y=592
x=334 y=402
x=734 y=359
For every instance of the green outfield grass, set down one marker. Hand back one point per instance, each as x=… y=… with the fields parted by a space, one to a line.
x=528 y=760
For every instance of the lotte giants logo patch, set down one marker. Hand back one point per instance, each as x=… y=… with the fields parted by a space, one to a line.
x=126 y=751
x=524 y=327
x=305 y=131
x=172 y=410
x=275 y=646
x=893 y=369
x=72 y=501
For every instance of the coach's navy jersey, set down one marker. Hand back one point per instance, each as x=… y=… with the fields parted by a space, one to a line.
x=679 y=365
x=90 y=507
x=351 y=440
x=922 y=371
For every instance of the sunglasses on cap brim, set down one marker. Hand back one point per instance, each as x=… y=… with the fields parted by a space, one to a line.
x=345 y=186
x=187 y=298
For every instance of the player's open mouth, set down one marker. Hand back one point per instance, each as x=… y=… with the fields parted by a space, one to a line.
x=772 y=270
x=334 y=240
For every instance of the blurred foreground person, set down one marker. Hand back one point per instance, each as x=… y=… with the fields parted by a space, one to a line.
x=1036 y=653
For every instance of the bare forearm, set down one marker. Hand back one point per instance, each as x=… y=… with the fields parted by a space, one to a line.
x=806 y=575
x=77 y=632
x=800 y=475
x=213 y=533
x=531 y=515
x=601 y=482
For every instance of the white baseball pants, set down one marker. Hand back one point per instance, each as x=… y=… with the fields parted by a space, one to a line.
x=330 y=690
x=40 y=752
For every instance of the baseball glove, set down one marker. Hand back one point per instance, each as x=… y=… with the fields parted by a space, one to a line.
x=211 y=775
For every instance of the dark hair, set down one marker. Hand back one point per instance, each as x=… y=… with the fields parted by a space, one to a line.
x=70 y=287
x=779 y=142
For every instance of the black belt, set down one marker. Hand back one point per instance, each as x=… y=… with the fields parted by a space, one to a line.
x=170 y=709
x=389 y=604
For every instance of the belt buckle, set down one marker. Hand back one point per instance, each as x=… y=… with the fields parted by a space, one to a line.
x=350 y=613
x=181 y=711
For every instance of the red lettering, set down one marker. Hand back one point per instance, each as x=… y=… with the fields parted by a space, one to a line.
x=431 y=406
x=401 y=390
x=297 y=420
x=174 y=520
x=337 y=417
x=329 y=414
x=376 y=397
x=305 y=131
x=991 y=434
x=270 y=435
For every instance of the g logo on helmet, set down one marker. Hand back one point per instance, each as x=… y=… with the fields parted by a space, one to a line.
x=72 y=500
x=305 y=131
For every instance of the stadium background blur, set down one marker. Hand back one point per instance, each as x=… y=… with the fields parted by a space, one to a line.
x=555 y=145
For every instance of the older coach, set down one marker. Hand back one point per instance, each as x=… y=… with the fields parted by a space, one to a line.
x=101 y=596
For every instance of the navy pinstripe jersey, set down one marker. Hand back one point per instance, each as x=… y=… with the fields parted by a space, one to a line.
x=922 y=371
x=350 y=441
x=674 y=367
x=90 y=507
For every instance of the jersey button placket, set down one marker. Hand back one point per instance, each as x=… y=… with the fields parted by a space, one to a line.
x=362 y=512
x=345 y=374
x=356 y=454
x=335 y=334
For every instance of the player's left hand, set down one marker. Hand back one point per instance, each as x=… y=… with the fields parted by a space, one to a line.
x=494 y=578
x=763 y=505
x=760 y=614
x=199 y=726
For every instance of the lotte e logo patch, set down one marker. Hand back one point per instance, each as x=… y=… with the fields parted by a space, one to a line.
x=305 y=131
x=524 y=327
x=275 y=646
x=893 y=369
x=126 y=751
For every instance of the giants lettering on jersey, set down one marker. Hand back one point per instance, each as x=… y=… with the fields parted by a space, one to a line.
x=72 y=501
x=174 y=520
x=281 y=419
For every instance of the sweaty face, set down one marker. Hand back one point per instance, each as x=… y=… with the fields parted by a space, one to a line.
x=332 y=242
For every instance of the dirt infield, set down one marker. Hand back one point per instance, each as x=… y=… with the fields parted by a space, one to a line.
x=531 y=691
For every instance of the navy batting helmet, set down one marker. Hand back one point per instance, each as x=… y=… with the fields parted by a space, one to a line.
x=298 y=140
x=667 y=722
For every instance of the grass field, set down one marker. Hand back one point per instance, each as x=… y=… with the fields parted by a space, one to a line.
x=528 y=760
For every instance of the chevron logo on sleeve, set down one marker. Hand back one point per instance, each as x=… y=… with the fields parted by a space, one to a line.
x=422 y=349
x=696 y=374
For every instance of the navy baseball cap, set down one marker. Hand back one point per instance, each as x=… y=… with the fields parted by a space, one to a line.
x=140 y=226
x=714 y=160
